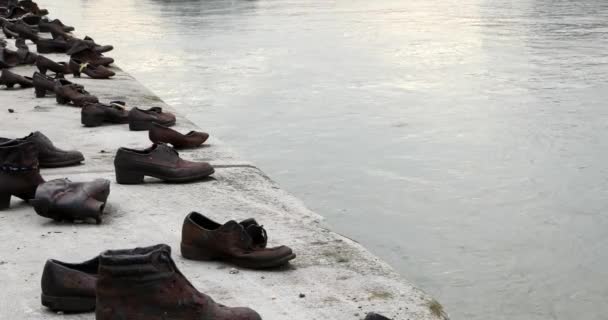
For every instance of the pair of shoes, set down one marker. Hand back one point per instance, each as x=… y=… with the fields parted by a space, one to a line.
x=96 y=114
x=19 y=29
x=65 y=91
x=63 y=44
x=135 y=284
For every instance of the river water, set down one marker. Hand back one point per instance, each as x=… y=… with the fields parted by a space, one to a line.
x=465 y=142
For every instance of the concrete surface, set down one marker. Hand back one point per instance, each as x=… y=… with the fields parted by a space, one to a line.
x=339 y=278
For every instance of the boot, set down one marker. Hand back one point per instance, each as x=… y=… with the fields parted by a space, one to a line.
x=19 y=29
x=69 y=287
x=10 y=79
x=19 y=172
x=46 y=26
x=84 y=53
x=145 y=284
x=161 y=134
x=59 y=45
x=62 y=199
x=67 y=92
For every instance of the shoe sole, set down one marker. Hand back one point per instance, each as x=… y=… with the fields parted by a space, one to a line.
x=68 y=304
x=135 y=177
x=61 y=163
x=192 y=253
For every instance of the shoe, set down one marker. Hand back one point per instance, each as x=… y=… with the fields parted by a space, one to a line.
x=99 y=48
x=10 y=79
x=96 y=114
x=43 y=63
x=59 y=45
x=19 y=29
x=145 y=284
x=82 y=51
x=32 y=7
x=140 y=119
x=62 y=199
x=375 y=316
x=94 y=72
x=19 y=172
x=8 y=58
x=48 y=155
x=161 y=134
x=207 y=240
x=43 y=83
x=69 y=287
x=46 y=26
x=66 y=92
x=159 y=161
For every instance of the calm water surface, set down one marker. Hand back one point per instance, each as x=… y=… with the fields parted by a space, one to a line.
x=465 y=142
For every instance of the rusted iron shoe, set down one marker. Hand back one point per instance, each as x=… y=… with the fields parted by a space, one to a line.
x=19 y=172
x=82 y=51
x=10 y=58
x=46 y=26
x=44 y=83
x=142 y=119
x=10 y=79
x=59 y=45
x=43 y=64
x=49 y=156
x=64 y=200
x=375 y=316
x=69 y=287
x=161 y=134
x=66 y=92
x=96 y=114
x=94 y=72
x=19 y=29
x=206 y=240
x=145 y=284
x=97 y=47
x=159 y=161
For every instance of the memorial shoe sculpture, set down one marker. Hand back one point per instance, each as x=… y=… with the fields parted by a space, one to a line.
x=96 y=114
x=19 y=171
x=62 y=199
x=47 y=154
x=69 y=287
x=145 y=284
x=161 y=134
x=233 y=242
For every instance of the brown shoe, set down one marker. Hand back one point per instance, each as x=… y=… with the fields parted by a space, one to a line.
x=10 y=79
x=43 y=63
x=47 y=26
x=19 y=29
x=59 y=45
x=140 y=119
x=205 y=239
x=161 y=134
x=99 y=48
x=96 y=114
x=87 y=55
x=67 y=92
x=94 y=72
x=19 y=172
x=69 y=287
x=159 y=161
x=48 y=155
x=62 y=199
x=43 y=83
x=145 y=284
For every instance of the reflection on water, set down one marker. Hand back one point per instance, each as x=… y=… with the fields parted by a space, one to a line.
x=462 y=141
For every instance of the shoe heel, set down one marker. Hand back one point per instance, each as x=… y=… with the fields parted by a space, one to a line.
x=128 y=177
x=5 y=200
x=40 y=92
x=192 y=253
x=68 y=304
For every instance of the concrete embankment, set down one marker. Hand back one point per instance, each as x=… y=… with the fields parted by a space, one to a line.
x=333 y=277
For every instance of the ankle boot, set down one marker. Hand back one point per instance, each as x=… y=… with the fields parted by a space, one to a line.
x=145 y=284
x=10 y=79
x=19 y=172
x=62 y=199
x=59 y=45
x=47 y=154
x=43 y=83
